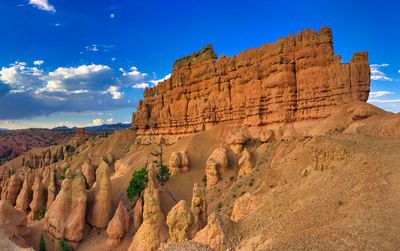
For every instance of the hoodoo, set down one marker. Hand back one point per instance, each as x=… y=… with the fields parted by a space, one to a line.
x=295 y=79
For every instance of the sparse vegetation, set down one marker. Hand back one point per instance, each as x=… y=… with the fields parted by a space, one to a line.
x=42 y=243
x=70 y=149
x=138 y=183
x=162 y=169
x=64 y=245
x=63 y=172
x=41 y=214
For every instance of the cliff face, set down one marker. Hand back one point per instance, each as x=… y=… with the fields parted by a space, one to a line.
x=297 y=78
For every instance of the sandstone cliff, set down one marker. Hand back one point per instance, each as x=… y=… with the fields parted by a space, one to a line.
x=297 y=78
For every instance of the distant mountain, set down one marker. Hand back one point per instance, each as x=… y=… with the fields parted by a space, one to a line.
x=106 y=128
x=3 y=130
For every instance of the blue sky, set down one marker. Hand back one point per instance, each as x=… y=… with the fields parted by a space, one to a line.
x=86 y=62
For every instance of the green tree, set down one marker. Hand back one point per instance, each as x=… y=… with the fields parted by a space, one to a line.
x=64 y=245
x=41 y=213
x=42 y=243
x=162 y=169
x=137 y=183
x=63 y=172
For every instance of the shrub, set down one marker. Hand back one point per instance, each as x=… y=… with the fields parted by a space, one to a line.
x=64 y=245
x=138 y=183
x=70 y=149
x=162 y=169
x=42 y=243
x=63 y=172
x=41 y=213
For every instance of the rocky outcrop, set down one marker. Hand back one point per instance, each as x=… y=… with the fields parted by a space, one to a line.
x=216 y=165
x=199 y=208
x=25 y=195
x=89 y=173
x=178 y=162
x=12 y=224
x=118 y=225
x=11 y=189
x=215 y=233
x=267 y=136
x=100 y=210
x=236 y=141
x=245 y=163
x=51 y=189
x=244 y=206
x=180 y=221
x=153 y=230
x=138 y=214
x=37 y=203
x=66 y=216
x=297 y=78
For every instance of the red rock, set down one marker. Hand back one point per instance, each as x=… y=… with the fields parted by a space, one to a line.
x=295 y=79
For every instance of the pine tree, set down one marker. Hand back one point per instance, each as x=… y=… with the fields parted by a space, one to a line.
x=42 y=243
x=162 y=169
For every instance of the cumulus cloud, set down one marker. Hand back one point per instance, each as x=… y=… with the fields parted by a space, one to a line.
x=43 y=5
x=99 y=47
x=380 y=94
x=377 y=74
x=132 y=76
x=38 y=62
x=112 y=15
x=155 y=82
x=141 y=86
x=114 y=91
x=110 y=120
x=97 y=122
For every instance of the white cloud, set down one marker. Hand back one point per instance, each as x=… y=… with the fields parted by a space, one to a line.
x=113 y=59
x=97 y=122
x=377 y=74
x=132 y=77
x=112 y=15
x=384 y=101
x=20 y=76
x=38 y=62
x=110 y=120
x=114 y=91
x=141 y=86
x=43 y=5
x=155 y=82
x=98 y=47
x=379 y=94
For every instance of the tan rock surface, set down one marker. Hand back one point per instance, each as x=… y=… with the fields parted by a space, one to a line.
x=25 y=195
x=138 y=214
x=153 y=230
x=89 y=172
x=12 y=224
x=178 y=162
x=246 y=164
x=11 y=189
x=199 y=208
x=100 y=210
x=216 y=165
x=244 y=206
x=37 y=203
x=118 y=225
x=66 y=216
x=180 y=222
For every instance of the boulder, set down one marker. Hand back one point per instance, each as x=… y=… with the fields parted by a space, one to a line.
x=244 y=206
x=245 y=163
x=236 y=140
x=100 y=209
x=118 y=225
x=214 y=233
x=216 y=165
x=66 y=216
x=180 y=222
x=12 y=224
x=179 y=162
x=266 y=136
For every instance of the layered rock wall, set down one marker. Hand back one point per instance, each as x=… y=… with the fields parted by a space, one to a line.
x=297 y=78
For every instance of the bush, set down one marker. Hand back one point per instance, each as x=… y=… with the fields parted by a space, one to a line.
x=70 y=149
x=42 y=243
x=64 y=245
x=41 y=214
x=162 y=169
x=63 y=172
x=138 y=183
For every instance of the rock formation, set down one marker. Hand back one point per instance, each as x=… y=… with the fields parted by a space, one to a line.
x=118 y=225
x=216 y=165
x=88 y=171
x=100 y=210
x=25 y=195
x=267 y=136
x=12 y=224
x=243 y=206
x=236 y=141
x=178 y=162
x=297 y=78
x=214 y=234
x=180 y=221
x=245 y=163
x=66 y=216
x=138 y=214
x=199 y=208
x=37 y=203
x=153 y=230
x=51 y=189
x=11 y=189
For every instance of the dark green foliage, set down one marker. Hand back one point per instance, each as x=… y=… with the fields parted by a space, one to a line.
x=64 y=245
x=55 y=160
x=42 y=243
x=162 y=169
x=41 y=214
x=138 y=183
x=63 y=171
x=70 y=149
